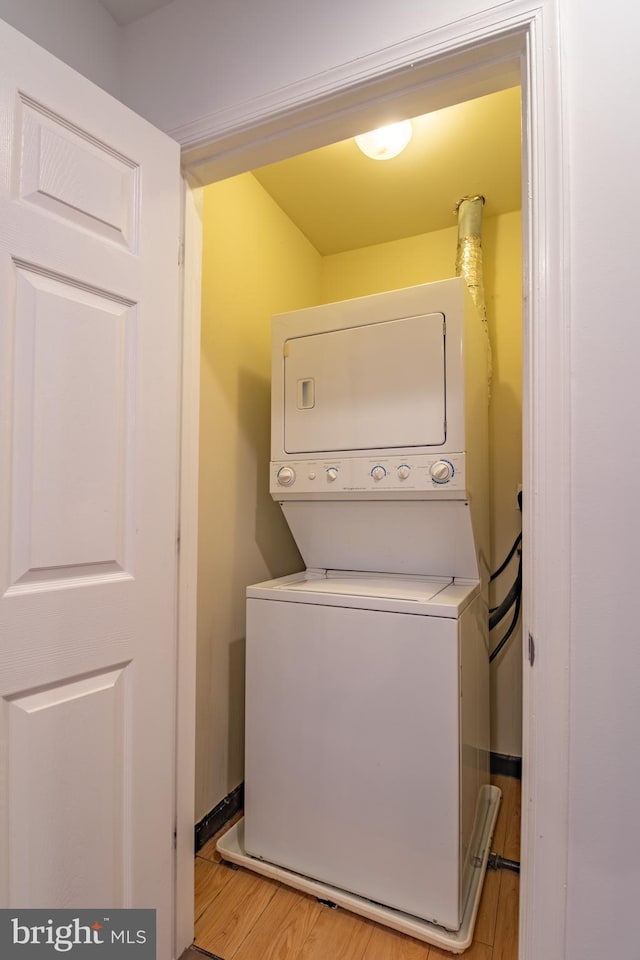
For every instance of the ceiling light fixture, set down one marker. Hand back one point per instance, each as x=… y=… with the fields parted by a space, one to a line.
x=385 y=142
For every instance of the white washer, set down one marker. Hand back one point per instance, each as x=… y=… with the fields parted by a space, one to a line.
x=366 y=740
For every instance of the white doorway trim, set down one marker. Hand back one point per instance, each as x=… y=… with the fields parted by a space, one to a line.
x=516 y=42
x=189 y=253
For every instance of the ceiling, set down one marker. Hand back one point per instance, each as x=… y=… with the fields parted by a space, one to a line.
x=342 y=200
x=126 y=11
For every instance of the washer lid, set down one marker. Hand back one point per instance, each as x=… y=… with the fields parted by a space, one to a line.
x=425 y=596
x=419 y=589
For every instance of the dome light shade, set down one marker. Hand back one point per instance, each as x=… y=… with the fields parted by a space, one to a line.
x=386 y=142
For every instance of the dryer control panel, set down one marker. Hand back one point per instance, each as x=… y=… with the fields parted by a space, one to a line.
x=381 y=478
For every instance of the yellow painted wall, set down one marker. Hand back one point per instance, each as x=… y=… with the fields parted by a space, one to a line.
x=432 y=257
x=503 y=289
x=387 y=266
x=255 y=263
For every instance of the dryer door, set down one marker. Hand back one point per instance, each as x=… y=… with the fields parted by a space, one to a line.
x=375 y=386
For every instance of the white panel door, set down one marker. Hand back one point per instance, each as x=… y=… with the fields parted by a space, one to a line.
x=89 y=361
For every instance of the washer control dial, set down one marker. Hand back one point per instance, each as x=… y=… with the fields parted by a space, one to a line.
x=332 y=474
x=378 y=472
x=286 y=476
x=403 y=471
x=441 y=471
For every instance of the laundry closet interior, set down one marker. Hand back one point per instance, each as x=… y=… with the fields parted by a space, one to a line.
x=329 y=226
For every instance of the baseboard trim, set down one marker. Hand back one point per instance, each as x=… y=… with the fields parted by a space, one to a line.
x=506 y=766
x=216 y=818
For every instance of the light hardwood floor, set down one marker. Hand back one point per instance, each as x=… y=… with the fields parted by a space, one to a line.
x=242 y=916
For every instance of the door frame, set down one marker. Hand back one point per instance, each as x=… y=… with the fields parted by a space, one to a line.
x=190 y=261
x=516 y=42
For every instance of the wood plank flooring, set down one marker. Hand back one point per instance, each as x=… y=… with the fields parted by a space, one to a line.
x=242 y=916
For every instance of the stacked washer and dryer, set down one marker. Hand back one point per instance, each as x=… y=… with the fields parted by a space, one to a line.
x=367 y=675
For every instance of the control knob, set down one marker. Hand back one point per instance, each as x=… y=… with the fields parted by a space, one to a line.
x=286 y=476
x=332 y=474
x=403 y=471
x=378 y=473
x=441 y=471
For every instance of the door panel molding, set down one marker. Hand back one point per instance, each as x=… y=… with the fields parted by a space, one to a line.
x=73 y=413
x=69 y=173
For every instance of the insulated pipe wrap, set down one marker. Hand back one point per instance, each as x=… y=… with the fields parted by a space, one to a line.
x=469 y=258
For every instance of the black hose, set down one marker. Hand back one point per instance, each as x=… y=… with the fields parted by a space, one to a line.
x=504 y=564
x=496 y=862
x=514 y=596
x=516 y=613
x=509 y=600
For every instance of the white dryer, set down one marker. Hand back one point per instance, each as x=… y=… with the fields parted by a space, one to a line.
x=367 y=699
x=379 y=432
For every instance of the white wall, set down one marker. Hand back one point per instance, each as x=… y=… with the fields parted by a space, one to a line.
x=79 y=32
x=604 y=158
x=195 y=58
x=223 y=54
